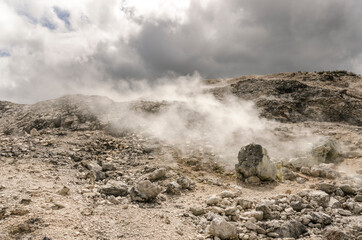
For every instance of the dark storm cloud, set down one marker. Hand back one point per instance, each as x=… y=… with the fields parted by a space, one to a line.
x=246 y=37
x=57 y=48
x=254 y=37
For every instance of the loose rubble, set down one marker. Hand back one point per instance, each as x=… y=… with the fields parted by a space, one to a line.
x=67 y=173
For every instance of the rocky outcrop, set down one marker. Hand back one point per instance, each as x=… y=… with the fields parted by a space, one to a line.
x=297 y=97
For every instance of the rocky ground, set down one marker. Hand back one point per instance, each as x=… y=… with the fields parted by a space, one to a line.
x=68 y=172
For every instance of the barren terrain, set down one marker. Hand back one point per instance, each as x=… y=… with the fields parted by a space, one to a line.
x=87 y=167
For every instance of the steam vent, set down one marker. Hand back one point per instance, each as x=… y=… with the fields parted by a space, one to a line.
x=88 y=167
x=160 y=167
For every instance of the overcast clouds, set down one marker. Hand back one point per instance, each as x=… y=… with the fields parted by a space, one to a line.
x=52 y=48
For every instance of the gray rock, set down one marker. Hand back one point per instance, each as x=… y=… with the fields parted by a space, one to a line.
x=326 y=152
x=321 y=217
x=97 y=170
x=230 y=211
x=253 y=180
x=288 y=174
x=253 y=227
x=108 y=167
x=258 y=215
x=34 y=132
x=326 y=187
x=320 y=197
x=245 y=204
x=297 y=205
x=157 y=174
x=301 y=180
x=267 y=213
x=358 y=198
x=336 y=234
x=185 y=183
x=197 y=210
x=64 y=191
x=145 y=191
x=254 y=161
x=228 y=194
x=222 y=229
x=115 y=188
x=347 y=189
x=334 y=203
x=305 y=170
x=173 y=188
x=344 y=212
x=213 y=200
x=291 y=229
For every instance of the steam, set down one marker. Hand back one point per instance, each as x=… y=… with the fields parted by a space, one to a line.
x=184 y=112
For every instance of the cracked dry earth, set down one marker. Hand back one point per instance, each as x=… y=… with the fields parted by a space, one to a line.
x=74 y=179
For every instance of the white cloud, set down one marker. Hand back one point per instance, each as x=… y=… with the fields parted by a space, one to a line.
x=110 y=41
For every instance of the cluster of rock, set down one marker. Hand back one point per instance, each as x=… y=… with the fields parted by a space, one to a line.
x=327 y=212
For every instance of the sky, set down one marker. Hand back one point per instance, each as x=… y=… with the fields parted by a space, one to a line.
x=51 y=48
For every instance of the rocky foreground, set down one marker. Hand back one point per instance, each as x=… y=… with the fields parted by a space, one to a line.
x=69 y=172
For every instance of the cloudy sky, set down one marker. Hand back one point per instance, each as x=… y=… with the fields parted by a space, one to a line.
x=50 y=48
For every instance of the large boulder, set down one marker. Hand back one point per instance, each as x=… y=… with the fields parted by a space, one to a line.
x=254 y=161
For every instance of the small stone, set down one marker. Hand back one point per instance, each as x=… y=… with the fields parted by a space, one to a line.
x=358 y=198
x=267 y=213
x=58 y=205
x=273 y=234
x=320 y=217
x=213 y=200
x=230 y=211
x=25 y=201
x=145 y=191
x=64 y=191
x=326 y=187
x=296 y=205
x=173 y=188
x=288 y=174
x=253 y=180
x=34 y=132
x=222 y=229
x=113 y=200
x=334 y=203
x=347 y=189
x=157 y=174
x=258 y=215
x=108 y=167
x=185 y=182
x=228 y=194
x=245 y=204
x=291 y=229
x=305 y=170
x=336 y=234
x=253 y=227
x=115 y=188
x=344 y=212
x=197 y=210
x=321 y=197
x=301 y=180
